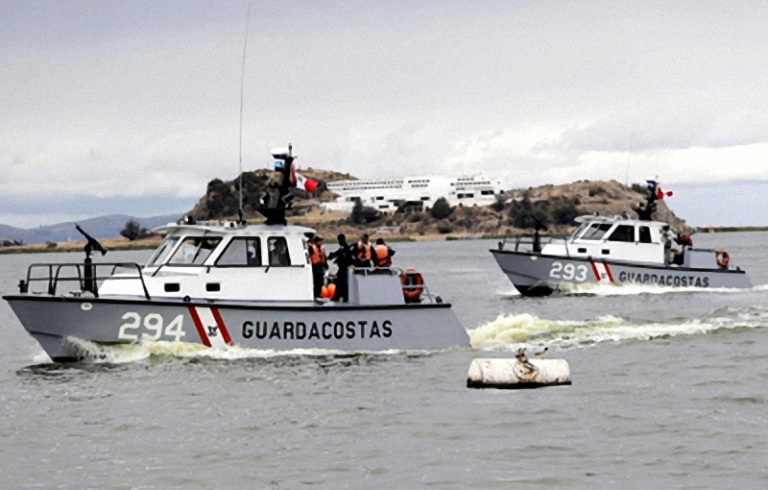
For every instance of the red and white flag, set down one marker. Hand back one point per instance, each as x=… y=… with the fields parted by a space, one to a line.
x=303 y=183
x=661 y=194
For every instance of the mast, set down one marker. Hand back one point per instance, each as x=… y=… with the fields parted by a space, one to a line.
x=242 y=91
x=277 y=197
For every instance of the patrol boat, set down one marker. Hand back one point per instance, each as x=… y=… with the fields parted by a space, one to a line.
x=230 y=284
x=616 y=250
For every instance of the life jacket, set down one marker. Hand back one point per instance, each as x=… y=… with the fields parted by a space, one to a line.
x=685 y=240
x=364 y=251
x=328 y=291
x=382 y=256
x=317 y=255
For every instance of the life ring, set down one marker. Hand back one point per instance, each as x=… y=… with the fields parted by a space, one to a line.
x=412 y=283
x=328 y=291
x=722 y=258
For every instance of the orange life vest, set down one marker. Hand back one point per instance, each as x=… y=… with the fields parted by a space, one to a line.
x=382 y=256
x=317 y=255
x=364 y=251
x=328 y=291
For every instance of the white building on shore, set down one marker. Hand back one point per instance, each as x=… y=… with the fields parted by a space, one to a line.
x=385 y=194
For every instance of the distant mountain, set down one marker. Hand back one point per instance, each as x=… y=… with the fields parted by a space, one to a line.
x=101 y=227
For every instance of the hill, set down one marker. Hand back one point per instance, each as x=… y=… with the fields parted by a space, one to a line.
x=221 y=199
x=555 y=206
x=101 y=227
x=512 y=214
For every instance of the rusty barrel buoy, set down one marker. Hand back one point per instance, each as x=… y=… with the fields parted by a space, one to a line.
x=518 y=373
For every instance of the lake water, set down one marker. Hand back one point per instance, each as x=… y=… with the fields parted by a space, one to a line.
x=670 y=390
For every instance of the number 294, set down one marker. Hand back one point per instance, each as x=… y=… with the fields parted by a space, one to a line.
x=153 y=327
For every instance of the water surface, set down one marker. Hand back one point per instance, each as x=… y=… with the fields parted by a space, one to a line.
x=669 y=391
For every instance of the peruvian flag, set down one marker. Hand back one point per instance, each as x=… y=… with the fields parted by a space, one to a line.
x=302 y=182
x=660 y=194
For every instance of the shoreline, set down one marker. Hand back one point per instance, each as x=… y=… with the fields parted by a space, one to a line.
x=121 y=244
x=730 y=229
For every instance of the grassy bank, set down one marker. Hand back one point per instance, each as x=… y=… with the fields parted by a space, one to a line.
x=111 y=244
x=724 y=229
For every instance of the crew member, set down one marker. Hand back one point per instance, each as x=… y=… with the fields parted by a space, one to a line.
x=684 y=240
x=343 y=258
x=364 y=252
x=382 y=254
x=666 y=238
x=278 y=253
x=319 y=263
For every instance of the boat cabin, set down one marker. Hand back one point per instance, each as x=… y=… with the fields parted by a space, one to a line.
x=226 y=260
x=235 y=262
x=613 y=238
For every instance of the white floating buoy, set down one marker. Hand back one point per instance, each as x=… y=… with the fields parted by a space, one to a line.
x=518 y=373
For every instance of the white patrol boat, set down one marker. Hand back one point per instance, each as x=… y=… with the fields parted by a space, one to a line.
x=616 y=250
x=226 y=284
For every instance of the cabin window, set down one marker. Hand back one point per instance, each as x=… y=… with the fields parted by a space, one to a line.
x=579 y=230
x=241 y=252
x=596 y=231
x=194 y=250
x=645 y=234
x=278 y=252
x=623 y=233
x=161 y=254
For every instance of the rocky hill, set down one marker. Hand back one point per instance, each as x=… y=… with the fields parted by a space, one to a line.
x=221 y=199
x=512 y=214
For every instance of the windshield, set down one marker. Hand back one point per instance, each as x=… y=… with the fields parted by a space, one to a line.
x=161 y=253
x=596 y=231
x=579 y=230
x=194 y=250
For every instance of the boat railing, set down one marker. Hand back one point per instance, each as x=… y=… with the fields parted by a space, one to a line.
x=85 y=275
x=528 y=243
x=395 y=271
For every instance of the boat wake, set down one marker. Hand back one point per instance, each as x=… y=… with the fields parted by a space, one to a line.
x=634 y=289
x=593 y=289
x=511 y=332
x=92 y=352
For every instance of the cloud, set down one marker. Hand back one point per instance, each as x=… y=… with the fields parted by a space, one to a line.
x=129 y=100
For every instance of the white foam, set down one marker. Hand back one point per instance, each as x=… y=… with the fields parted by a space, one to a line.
x=126 y=353
x=512 y=332
x=605 y=289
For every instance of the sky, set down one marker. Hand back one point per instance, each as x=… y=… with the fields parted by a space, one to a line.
x=133 y=107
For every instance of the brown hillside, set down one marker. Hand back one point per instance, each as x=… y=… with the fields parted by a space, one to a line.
x=557 y=205
x=221 y=200
x=608 y=198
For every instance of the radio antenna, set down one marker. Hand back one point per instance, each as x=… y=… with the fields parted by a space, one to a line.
x=631 y=148
x=242 y=90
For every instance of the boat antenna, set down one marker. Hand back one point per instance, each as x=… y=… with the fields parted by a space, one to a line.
x=242 y=90
x=631 y=147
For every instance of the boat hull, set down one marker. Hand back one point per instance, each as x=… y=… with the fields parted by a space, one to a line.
x=331 y=326
x=539 y=275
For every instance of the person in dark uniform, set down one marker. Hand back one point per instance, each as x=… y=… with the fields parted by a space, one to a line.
x=343 y=258
x=319 y=263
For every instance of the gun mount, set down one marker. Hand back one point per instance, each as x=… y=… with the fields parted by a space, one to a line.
x=89 y=284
